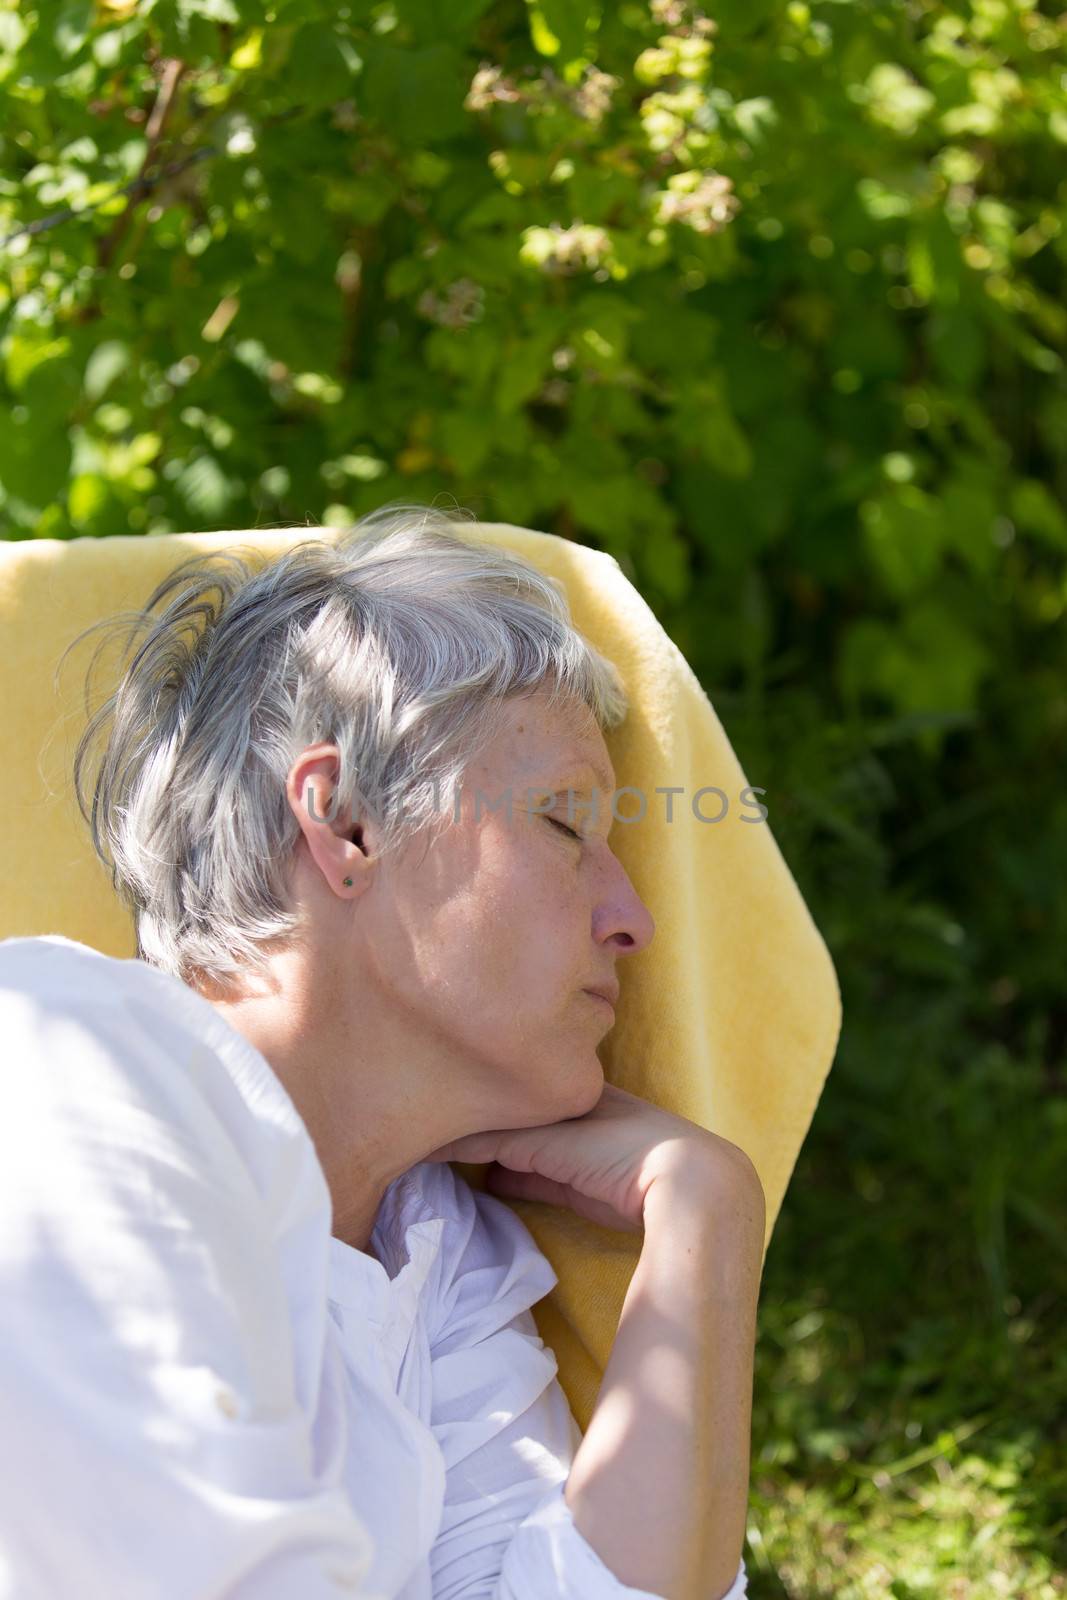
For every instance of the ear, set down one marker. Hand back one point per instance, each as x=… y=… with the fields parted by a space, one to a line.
x=347 y=845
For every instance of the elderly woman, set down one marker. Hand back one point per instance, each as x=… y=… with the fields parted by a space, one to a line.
x=260 y=1340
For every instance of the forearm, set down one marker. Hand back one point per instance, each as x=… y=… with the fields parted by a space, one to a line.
x=659 y=1485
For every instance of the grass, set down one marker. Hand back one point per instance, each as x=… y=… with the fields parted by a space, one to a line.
x=910 y=1404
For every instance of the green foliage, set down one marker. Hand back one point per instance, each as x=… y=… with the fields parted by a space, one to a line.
x=771 y=306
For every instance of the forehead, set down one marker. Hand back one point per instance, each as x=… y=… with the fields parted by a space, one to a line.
x=557 y=743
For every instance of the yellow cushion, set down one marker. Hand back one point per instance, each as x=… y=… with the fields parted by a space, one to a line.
x=730 y=1017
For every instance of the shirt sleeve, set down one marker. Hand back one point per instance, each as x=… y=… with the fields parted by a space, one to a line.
x=151 y=1438
x=505 y=1427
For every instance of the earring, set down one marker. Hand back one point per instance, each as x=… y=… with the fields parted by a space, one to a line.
x=348 y=883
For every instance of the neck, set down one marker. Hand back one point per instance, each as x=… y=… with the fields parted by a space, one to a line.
x=372 y=1109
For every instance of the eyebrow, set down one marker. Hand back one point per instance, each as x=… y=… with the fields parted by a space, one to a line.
x=565 y=781
x=585 y=769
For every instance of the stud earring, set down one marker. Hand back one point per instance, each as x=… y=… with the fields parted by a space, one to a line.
x=348 y=883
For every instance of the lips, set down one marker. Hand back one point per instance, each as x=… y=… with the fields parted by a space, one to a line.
x=606 y=991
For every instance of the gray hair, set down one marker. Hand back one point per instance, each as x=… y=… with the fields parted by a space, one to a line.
x=399 y=641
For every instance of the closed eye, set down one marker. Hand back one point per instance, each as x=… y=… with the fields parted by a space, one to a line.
x=563 y=825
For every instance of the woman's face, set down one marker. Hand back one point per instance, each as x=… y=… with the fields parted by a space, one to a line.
x=486 y=941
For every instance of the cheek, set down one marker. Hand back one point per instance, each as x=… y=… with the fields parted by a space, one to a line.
x=501 y=941
x=513 y=952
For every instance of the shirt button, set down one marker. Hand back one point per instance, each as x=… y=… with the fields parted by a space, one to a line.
x=226 y=1403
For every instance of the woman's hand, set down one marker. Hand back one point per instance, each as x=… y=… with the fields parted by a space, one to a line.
x=601 y=1165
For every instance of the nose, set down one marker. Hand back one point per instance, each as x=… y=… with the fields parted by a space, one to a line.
x=622 y=919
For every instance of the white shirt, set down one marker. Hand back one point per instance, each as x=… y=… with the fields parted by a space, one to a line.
x=204 y=1395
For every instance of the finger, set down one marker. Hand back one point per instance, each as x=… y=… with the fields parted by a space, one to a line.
x=526 y=1186
x=469 y=1147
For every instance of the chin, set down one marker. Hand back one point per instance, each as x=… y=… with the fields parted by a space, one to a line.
x=570 y=1083
x=586 y=1088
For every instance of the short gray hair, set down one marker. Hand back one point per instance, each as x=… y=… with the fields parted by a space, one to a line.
x=399 y=641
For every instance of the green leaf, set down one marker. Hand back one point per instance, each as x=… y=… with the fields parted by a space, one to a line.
x=561 y=29
x=71 y=26
x=419 y=90
x=903 y=536
x=605 y=506
x=108 y=360
x=930 y=662
x=404 y=277
x=317 y=70
x=969 y=509
x=705 y=424
x=756 y=119
x=28 y=351
x=203 y=487
x=35 y=456
x=665 y=558
x=13 y=34
x=210 y=10
x=1039 y=513
x=523 y=367
x=87 y=496
x=935 y=265
x=466 y=439
x=958 y=346
x=436 y=19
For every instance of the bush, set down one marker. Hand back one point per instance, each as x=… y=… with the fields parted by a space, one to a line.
x=770 y=304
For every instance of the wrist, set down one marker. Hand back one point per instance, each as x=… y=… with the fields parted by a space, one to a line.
x=704 y=1182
